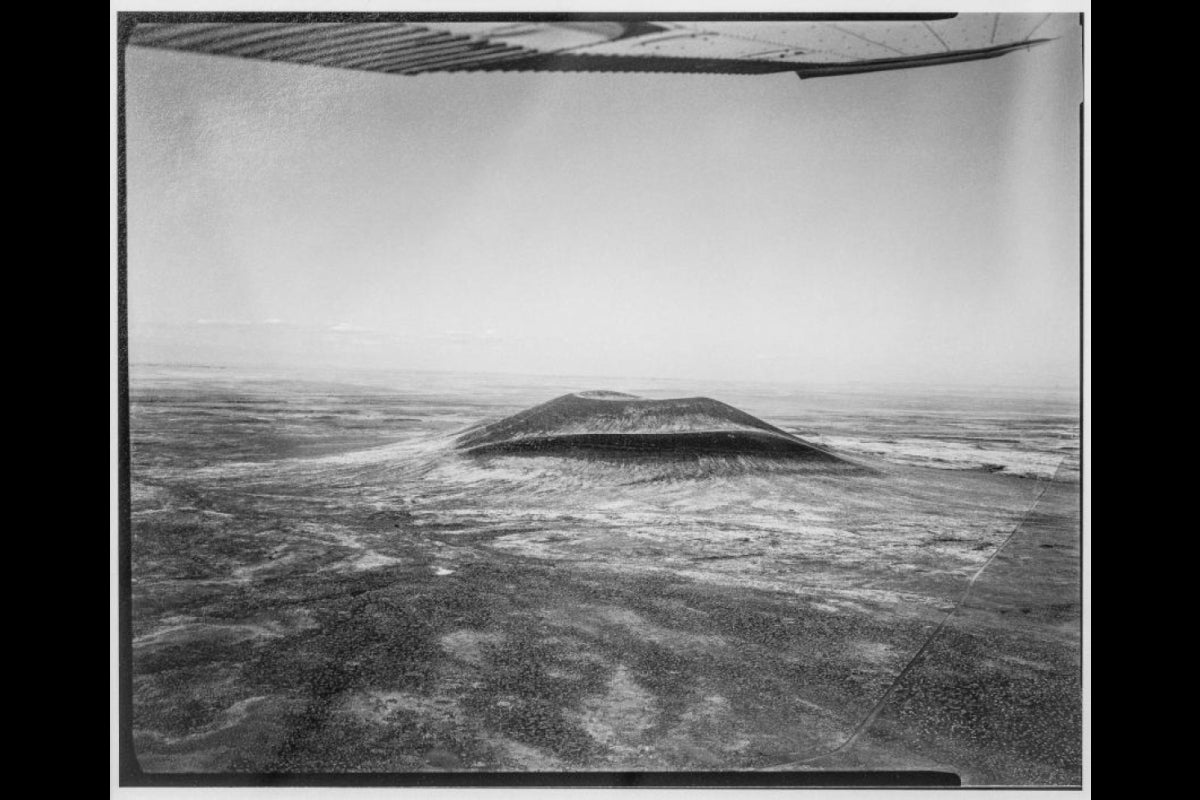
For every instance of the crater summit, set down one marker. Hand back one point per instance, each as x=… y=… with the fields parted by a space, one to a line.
x=614 y=424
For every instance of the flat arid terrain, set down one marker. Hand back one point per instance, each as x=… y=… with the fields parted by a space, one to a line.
x=404 y=572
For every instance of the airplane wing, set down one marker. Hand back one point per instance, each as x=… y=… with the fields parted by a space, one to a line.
x=813 y=46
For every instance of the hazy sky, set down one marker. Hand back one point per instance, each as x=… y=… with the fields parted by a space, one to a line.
x=915 y=226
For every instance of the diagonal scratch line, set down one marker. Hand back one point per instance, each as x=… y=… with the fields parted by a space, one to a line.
x=913 y=662
x=865 y=39
x=741 y=36
x=995 y=24
x=756 y=39
x=929 y=28
x=1035 y=28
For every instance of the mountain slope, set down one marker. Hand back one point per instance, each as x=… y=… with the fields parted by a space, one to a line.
x=600 y=424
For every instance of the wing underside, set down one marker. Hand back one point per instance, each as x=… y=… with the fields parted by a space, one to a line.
x=824 y=45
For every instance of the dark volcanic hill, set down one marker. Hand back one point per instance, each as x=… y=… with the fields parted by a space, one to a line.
x=625 y=426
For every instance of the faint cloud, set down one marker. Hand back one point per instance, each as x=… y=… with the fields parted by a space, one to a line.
x=227 y=323
x=462 y=337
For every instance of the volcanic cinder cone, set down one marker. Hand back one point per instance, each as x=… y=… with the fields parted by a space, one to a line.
x=612 y=424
